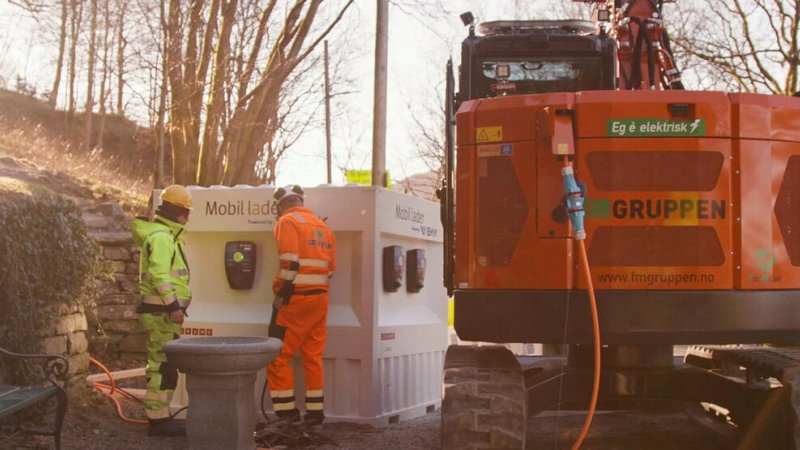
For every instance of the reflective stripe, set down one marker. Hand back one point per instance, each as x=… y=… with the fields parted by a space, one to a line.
x=289 y=257
x=314 y=406
x=302 y=278
x=156 y=404
x=283 y=400
x=156 y=300
x=155 y=414
x=287 y=274
x=314 y=393
x=160 y=396
x=166 y=287
x=174 y=273
x=299 y=217
x=282 y=406
x=314 y=262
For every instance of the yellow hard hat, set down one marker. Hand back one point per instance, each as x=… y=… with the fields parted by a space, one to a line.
x=177 y=195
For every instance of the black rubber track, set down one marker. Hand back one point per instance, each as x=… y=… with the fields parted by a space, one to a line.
x=484 y=399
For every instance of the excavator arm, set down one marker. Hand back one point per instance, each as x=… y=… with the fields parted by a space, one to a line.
x=644 y=55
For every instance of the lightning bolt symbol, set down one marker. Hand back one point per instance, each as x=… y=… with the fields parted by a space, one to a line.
x=694 y=126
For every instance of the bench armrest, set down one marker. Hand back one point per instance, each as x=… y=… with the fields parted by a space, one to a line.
x=56 y=367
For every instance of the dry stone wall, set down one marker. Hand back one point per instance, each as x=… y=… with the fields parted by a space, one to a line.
x=116 y=338
x=68 y=338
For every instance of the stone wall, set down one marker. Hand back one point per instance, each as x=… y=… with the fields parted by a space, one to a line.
x=115 y=336
x=67 y=337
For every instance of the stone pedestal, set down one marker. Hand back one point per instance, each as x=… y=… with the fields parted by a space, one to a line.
x=220 y=379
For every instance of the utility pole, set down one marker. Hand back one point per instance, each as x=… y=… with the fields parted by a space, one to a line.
x=379 y=109
x=327 y=114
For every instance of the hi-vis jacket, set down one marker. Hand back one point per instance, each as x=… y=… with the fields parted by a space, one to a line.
x=163 y=271
x=306 y=249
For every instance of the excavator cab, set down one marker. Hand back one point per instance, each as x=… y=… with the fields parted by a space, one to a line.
x=534 y=57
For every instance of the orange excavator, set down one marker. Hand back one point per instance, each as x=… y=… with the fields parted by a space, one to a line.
x=592 y=203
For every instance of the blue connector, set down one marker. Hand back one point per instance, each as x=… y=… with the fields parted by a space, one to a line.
x=574 y=198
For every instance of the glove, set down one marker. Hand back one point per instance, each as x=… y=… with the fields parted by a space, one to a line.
x=177 y=316
x=277 y=303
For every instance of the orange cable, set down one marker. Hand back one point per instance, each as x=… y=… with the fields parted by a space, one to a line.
x=596 y=334
x=596 y=338
x=119 y=409
x=99 y=388
x=107 y=372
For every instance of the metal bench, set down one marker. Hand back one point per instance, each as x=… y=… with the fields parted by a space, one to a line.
x=14 y=399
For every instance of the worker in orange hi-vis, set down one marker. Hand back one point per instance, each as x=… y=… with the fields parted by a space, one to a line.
x=306 y=253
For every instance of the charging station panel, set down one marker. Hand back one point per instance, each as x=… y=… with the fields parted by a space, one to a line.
x=393 y=267
x=415 y=273
x=240 y=264
x=370 y=327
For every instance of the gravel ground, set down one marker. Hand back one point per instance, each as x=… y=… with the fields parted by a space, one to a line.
x=94 y=425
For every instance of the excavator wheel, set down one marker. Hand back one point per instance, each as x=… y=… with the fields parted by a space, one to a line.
x=484 y=404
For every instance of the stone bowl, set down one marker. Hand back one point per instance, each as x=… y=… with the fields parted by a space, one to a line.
x=222 y=354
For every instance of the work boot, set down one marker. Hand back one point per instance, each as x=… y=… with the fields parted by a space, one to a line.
x=314 y=419
x=168 y=427
x=291 y=415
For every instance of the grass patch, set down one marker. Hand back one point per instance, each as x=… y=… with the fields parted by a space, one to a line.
x=33 y=132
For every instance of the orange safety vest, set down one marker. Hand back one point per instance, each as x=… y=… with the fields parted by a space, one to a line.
x=306 y=248
x=306 y=251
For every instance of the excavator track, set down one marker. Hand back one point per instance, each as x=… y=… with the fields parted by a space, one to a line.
x=484 y=399
x=761 y=363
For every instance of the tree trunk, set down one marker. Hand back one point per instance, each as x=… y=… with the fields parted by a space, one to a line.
x=89 y=109
x=178 y=110
x=254 y=127
x=161 y=137
x=187 y=74
x=104 y=81
x=62 y=43
x=75 y=21
x=122 y=6
x=209 y=151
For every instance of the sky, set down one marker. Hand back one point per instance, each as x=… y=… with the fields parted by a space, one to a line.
x=420 y=42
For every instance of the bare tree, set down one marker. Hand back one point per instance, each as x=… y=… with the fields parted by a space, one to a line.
x=33 y=6
x=744 y=45
x=428 y=137
x=199 y=55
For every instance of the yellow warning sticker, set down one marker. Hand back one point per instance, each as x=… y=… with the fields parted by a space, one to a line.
x=488 y=134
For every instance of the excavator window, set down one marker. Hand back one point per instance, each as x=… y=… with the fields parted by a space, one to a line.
x=530 y=76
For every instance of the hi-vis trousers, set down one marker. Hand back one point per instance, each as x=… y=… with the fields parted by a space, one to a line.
x=303 y=320
x=161 y=376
